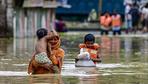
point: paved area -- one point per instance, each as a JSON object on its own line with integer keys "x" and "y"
{"x": 97, "y": 33}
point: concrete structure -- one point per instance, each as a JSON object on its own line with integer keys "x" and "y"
{"x": 22, "y": 18}
{"x": 6, "y": 17}
{"x": 2, "y": 18}
{"x": 34, "y": 14}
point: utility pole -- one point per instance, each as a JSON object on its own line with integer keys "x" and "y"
{"x": 100, "y": 8}
{"x": 6, "y": 25}
{"x": 100, "y": 11}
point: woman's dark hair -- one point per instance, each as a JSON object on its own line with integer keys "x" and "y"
{"x": 89, "y": 37}
{"x": 41, "y": 33}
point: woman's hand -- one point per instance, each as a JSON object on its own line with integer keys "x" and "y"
{"x": 49, "y": 48}
{"x": 53, "y": 59}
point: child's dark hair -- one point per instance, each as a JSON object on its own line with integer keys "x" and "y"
{"x": 41, "y": 33}
{"x": 89, "y": 37}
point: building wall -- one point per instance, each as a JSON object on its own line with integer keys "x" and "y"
{"x": 9, "y": 11}
{"x": 2, "y": 2}
{"x": 3, "y": 24}
{"x": 27, "y": 21}
{"x": 6, "y": 17}
{"x": 80, "y": 9}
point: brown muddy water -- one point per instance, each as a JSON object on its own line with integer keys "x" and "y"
{"x": 124, "y": 61}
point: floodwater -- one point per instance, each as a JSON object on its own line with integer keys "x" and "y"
{"x": 124, "y": 61}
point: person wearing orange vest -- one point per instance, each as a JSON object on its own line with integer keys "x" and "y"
{"x": 89, "y": 49}
{"x": 105, "y": 22}
{"x": 116, "y": 23}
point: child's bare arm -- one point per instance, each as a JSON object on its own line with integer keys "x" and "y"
{"x": 48, "y": 36}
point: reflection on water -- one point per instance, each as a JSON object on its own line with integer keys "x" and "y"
{"x": 46, "y": 79}
{"x": 144, "y": 47}
{"x": 128, "y": 47}
{"x": 105, "y": 46}
{"x": 124, "y": 61}
{"x": 110, "y": 48}
{"x": 89, "y": 80}
{"x": 23, "y": 46}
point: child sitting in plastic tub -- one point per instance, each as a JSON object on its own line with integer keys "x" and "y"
{"x": 89, "y": 50}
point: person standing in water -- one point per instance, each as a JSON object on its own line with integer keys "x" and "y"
{"x": 42, "y": 63}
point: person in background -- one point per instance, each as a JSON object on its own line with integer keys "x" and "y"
{"x": 105, "y": 22}
{"x": 60, "y": 26}
{"x": 116, "y": 23}
{"x": 128, "y": 18}
{"x": 144, "y": 18}
{"x": 89, "y": 49}
{"x": 135, "y": 17}
{"x": 92, "y": 16}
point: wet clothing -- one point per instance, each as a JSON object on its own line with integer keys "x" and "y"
{"x": 56, "y": 58}
{"x": 42, "y": 58}
{"x": 36, "y": 68}
{"x": 58, "y": 53}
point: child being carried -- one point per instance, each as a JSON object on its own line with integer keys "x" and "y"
{"x": 41, "y": 56}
